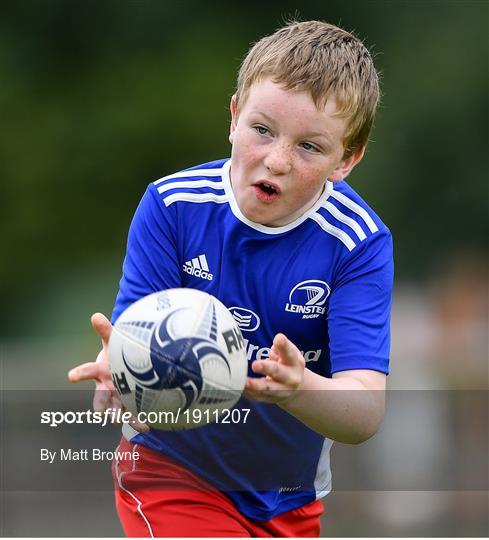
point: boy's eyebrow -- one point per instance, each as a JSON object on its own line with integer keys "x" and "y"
{"x": 265, "y": 115}
{"x": 309, "y": 134}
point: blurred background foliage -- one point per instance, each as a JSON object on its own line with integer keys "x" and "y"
{"x": 99, "y": 98}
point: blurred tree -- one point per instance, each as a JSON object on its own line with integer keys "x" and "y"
{"x": 98, "y": 99}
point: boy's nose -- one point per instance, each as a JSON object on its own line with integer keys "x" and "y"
{"x": 279, "y": 160}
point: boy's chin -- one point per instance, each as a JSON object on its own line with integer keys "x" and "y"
{"x": 255, "y": 216}
{"x": 266, "y": 219}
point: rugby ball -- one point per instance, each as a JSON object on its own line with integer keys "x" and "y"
{"x": 177, "y": 359}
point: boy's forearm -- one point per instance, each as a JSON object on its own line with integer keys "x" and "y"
{"x": 343, "y": 409}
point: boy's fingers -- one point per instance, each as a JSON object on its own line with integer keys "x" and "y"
{"x": 280, "y": 373}
{"x": 101, "y": 400}
{"x": 138, "y": 426}
{"x": 102, "y": 326}
{"x": 258, "y": 386}
{"x": 287, "y": 351}
{"x": 273, "y": 355}
{"x": 85, "y": 372}
{"x": 263, "y": 389}
{"x": 115, "y": 402}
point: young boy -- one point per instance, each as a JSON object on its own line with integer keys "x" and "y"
{"x": 306, "y": 268}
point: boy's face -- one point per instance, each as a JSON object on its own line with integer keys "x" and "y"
{"x": 284, "y": 149}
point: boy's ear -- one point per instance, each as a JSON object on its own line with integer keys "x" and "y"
{"x": 346, "y": 165}
{"x": 234, "y": 115}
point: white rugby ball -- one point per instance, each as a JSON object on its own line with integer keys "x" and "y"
{"x": 178, "y": 357}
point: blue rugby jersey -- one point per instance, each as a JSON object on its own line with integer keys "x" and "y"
{"x": 324, "y": 280}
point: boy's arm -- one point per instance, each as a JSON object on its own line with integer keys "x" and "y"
{"x": 350, "y": 406}
{"x": 347, "y": 408}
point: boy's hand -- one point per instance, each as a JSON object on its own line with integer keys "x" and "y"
{"x": 284, "y": 373}
{"x": 105, "y": 393}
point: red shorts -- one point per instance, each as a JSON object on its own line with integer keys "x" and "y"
{"x": 156, "y": 497}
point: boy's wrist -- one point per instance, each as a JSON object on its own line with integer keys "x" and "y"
{"x": 292, "y": 402}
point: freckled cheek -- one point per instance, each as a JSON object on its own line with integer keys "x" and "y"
{"x": 310, "y": 182}
{"x": 248, "y": 155}
{"x": 245, "y": 163}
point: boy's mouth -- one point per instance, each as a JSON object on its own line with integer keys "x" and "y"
{"x": 266, "y": 191}
{"x": 267, "y": 187}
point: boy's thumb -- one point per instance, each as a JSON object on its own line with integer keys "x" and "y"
{"x": 102, "y": 326}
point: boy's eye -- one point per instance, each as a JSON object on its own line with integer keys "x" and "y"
{"x": 261, "y": 130}
{"x": 309, "y": 147}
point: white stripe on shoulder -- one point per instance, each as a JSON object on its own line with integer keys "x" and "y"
{"x": 190, "y": 184}
{"x": 195, "y": 197}
{"x": 343, "y": 199}
{"x": 187, "y": 174}
{"x": 331, "y": 208}
{"x": 334, "y": 231}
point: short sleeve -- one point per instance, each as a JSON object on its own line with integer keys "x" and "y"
{"x": 151, "y": 261}
{"x": 359, "y": 308}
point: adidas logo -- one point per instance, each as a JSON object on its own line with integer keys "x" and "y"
{"x": 198, "y": 267}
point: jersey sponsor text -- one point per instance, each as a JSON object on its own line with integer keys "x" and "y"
{"x": 255, "y": 352}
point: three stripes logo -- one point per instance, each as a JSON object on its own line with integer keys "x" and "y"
{"x": 198, "y": 267}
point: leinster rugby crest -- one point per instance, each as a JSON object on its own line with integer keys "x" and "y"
{"x": 308, "y": 298}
